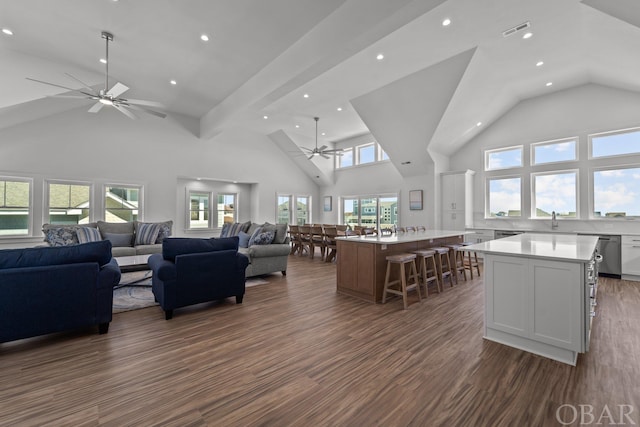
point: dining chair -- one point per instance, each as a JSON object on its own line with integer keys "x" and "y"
{"x": 330, "y": 234}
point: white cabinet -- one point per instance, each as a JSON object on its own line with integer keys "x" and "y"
{"x": 630, "y": 257}
{"x": 457, "y": 200}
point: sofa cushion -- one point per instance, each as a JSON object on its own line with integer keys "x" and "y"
{"x": 115, "y": 228}
{"x": 121, "y": 251}
{"x": 174, "y": 246}
{"x": 88, "y": 234}
{"x": 146, "y": 233}
{"x": 99, "y": 252}
{"x": 119, "y": 239}
{"x": 243, "y": 240}
{"x": 234, "y": 229}
{"x": 253, "y": 227}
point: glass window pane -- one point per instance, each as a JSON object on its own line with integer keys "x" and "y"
{"x": 302, "y": 211}
{"x": 616, "y": 193}
{"x": 503, "y": 158}
{"x": 383, "y": 154}
{"x": 366, "y": 153}
{"x": 388, "y": 211}
{"x": 504, "y": 197}
{"x": 121, "y": 204}
{"x": 15, "y": 194}
{"x": 350, "y": 212}
{"x": 198, "y": 210}
{"x": 550, "y": 152}
{"x": 226, "y": 209}
{"x": 615, "y": 144}
{"x": 555, "y": 192}
{"x": 15, "y": 209}
{"x": 347, "y": 158}
{"x": 284, "y": 209}
{"x": 69, "y": 203}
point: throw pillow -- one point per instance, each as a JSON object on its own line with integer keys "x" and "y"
{"x": 263, "y": 238}
{"x": 88, "y": 234}
{"x": 119, "y": 240}
{"x": 61, "y": 236}
{"x": 254, "y": 235}
{"x": 146, "y": 233}
{"x": 244, "y": 239}
{"x": 164, "y": 231}
{"x": 225, "y": 229}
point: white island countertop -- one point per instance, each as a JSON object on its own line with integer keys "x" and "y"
{"x": 416, "y": 236}
{"x": 555, "y": 246}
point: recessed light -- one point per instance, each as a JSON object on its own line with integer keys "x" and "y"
{"x": 539, "y": 63}
{"x": 7, "y": 31}
{"x": 527, "y": 35}
{"x": 297, "y": 126}
{"x": 380, "y": 57}
{"x": 204, "y": 38}
{"x": 306, "y": 95}
{"x": 104, "y": 61}
{"x": 479, "y": 124}
{"x": 323, "y": 133}
{"x": 339, "y": 108}
{"x": 446, "y": 22}
{"x": 265, "y": 117}
{"x": 173, "y": 82}
{"x": 549, "y": 83}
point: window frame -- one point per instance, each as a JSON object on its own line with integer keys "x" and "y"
{"x": 533, "y": 146}
{"x": 488, "y": 152}
{"x": 29, "y": 181}
{"x": 293, "y": 213}
{"x": 47, "y": 197}
{"x": 217, "y": 211}
{"x": 139, "y": 187}
{"x": 358, "y": 150}
{"x": 339, "y": 158}
{"x": 591, "y": 136}
{"x": 533, "y": 214}
{"x": 487, "y": 196}
{"x": 188, "y": 226}
{"x": 592, "y": 189}
{"x": 378, "y": 214}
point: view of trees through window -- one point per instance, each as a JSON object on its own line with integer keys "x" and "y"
{"x": 300, "y": 215}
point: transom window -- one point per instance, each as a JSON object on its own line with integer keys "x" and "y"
{"x": 370, "y": 152}
{"x": 562, "y": 150}
{"x": 504, "y": 196}
{"x": 555, "y": 192}
{"x": 503, "y": 158}
{"x": 15, "y": 206}
{"x": 346, "y": 159}
{"x": 616, "y": 193}
{"x": 366, "y": 153}
{"x": 69, "y": 203}
{"x": 122, "y": 203}
{"x": 616, "y": 143}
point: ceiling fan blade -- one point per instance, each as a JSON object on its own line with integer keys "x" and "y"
{"x": 147, "y": 110}
{"x": 96, "y": 107}
{"x": 63, "y": 87}
{"x": 322, "y": 148}
{"x": 324, "y": 155}
{"x": 117, "y": 90}
{"x": 81, "y": 82}
{"x": 308, "y": 149}
{"x": 69, "y": 96}
{"x": 124, "y": 111}
{"x": 310, "y": 157}
{"x": 143, "y": 102}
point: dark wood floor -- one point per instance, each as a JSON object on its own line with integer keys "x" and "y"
{"x": 296, "y": 353}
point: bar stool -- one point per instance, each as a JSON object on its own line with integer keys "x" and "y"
{"x": 469, "y": 262}
{"x": 443, "y": 264}
{"x": 401, "y": 260}
{"x": 428, "y": 274}
{"x": 457, "y": 261}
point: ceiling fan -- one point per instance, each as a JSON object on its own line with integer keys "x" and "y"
{"x": 322, "y": 151}
{"x": 109, "y": 97}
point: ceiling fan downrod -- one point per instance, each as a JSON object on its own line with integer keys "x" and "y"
{"x": 108, "y": 37}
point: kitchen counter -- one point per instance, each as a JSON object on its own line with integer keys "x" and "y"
{"x": 417, "y": 236}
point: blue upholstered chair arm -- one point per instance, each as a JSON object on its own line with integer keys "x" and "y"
{"x": 162, "y": 269}
{"x": 109, "y": 275}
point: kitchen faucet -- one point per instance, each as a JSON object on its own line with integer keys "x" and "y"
{"x": 554, "y": 221}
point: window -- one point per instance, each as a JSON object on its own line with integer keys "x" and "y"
{"x": 376, "y": 211}
{"x": 226, "y": 209}
{"x": 504, "y": 197}
{"x": 366, "y": 153}
{"x": 382, "y": 155}
{"x": 302, "y": 210}
{"x": 616, "y": 193}
{"x": 122, "y": 203}
{"x": 555, "y": 192}
{"x": 503, "y": 158}
{"x": 562, "y": 150}
{"x": 285, "y": 215}
{"x": 69, "y": 203}
{"x": 616, "y": 143}
{"x": 199, "y": 210}
{"x": 346, "y": 159}
{"x": 15, "y": 206}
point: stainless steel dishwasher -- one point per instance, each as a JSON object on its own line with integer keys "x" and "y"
{"x": 609, "y": 247}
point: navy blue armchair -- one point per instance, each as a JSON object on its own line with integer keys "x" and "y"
{"x": 53, "y": 289}
{"x": 192, "y": 271}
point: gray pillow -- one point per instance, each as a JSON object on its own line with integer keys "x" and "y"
{"x": 115, "y": 228}
{"x": 119, "y": 240}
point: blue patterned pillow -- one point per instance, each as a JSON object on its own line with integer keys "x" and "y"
{"x": 88, "y": 234}
{"x": 164, "y": 231}
{"x": 264, "y": 238}
{"x": 146, "y": 233}
{"x": 62, "y": 236}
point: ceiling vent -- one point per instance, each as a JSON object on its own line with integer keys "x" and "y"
{"x": 515, "y": 29}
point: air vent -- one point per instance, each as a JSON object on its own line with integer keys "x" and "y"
{"x": 515, "y": 29}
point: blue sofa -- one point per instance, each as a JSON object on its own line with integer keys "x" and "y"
{"x": 52, "y": 289}
{"x": 192, "y": 271}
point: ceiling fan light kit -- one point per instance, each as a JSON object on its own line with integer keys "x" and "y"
{"x": 109, "y": 97}
{"x": 322, "y": 151}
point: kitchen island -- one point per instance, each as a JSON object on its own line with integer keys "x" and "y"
{"x": 361, "y": 260}
{"x": 540, "y": 292}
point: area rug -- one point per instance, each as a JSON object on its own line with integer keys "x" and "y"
{"x": 138, "y": 293}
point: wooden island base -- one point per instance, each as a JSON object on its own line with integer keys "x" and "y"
{"x": 362, "y": 264}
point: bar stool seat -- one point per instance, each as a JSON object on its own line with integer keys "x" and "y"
{"x": 427, "y": 274}
{"x": 443, "y": 264}
{"x": 457, "y": 261}
{"x": 402, "y": 287}
{"x": 471, "y": 260}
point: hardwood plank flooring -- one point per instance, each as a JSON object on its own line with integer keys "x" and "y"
{"x": 296, "y": 353}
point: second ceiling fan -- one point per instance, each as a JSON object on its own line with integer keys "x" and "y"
{"x": 322, "y": 151}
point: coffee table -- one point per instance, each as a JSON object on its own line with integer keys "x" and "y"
{"x": 133, "y": 263}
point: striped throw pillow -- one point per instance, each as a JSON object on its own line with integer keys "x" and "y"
{"x": 147, "y": 233}
{"x": 88, "y": 234}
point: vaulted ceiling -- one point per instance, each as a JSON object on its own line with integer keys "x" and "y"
{"x": 434, "y": 86}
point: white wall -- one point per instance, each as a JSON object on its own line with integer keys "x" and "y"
{"x": 110, "y": 148}
{"x": 573, "y": 112}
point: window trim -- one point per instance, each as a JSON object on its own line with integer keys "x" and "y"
{"x": 217, "y": 211}
{"x": 187, "y": 225}
{"x": 358, "y": 149}
{"x": 591, "y": 195}
{"x": 554, "y": 172}
{"x": 46, "y": 206}
{"x": 140, "y": 189}
{"x": 553, "y": 142}
{"x": 370, "y": 196}
{"x": 353, "y": 158}
{"x": 293, "y": 201}
{"x": 30, "y": 214}
{"x": 612, "y": 132}
{"x": 497, "y": 150}
{"x": 487, "y": 199}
